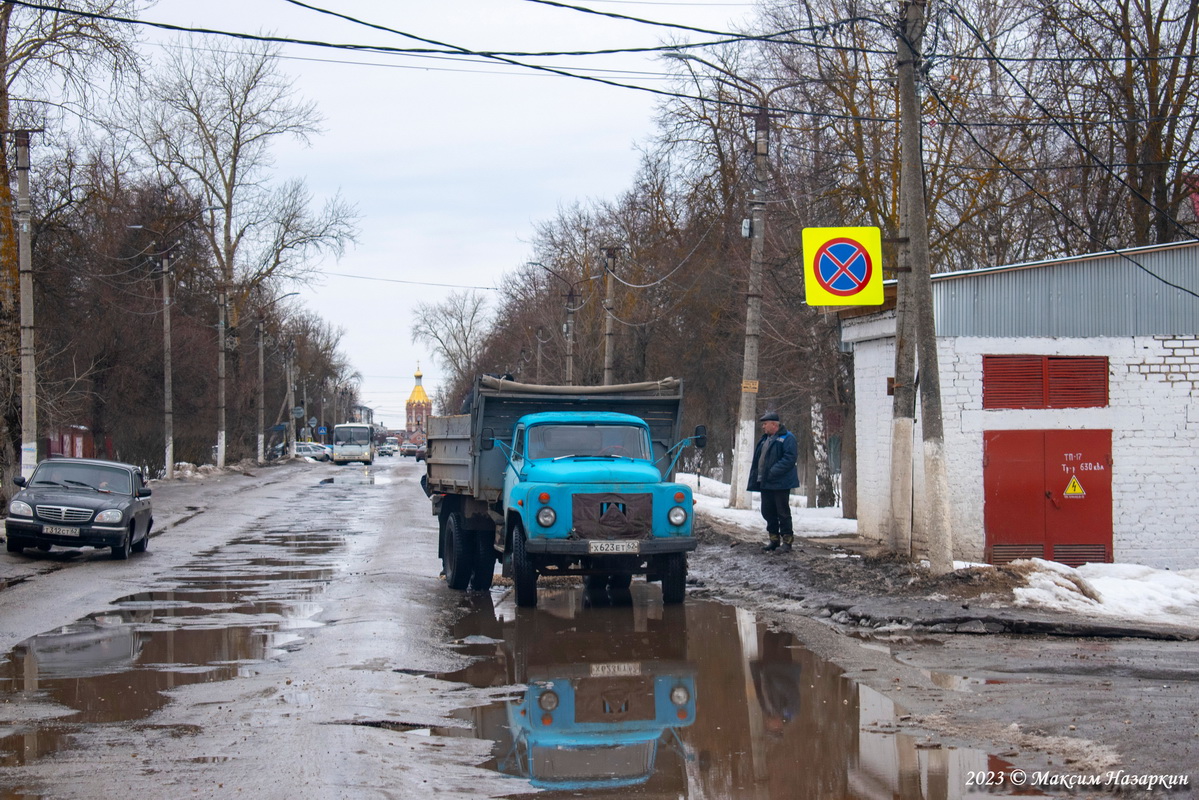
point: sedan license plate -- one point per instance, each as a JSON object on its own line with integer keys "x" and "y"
{"x": 59, "y": 530}
{"x": 596, "y": 548}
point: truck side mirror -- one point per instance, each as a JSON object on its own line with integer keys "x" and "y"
{"x": 487, "y": 439}
{"x": 700, "y": 439}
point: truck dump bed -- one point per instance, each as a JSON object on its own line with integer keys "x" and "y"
{"x": 457, "y": 466}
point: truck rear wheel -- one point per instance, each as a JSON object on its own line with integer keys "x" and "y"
{"x": 459, "y": 552}
{"x": 674, "y": 578}
{"x": 524, "y": 574}
{"x": 484, "y": 565}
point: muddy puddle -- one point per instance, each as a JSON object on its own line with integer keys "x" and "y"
{"x": 230, "y": 609}
{"x": 637, "y": 699}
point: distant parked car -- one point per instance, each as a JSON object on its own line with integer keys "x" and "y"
{"x": 421, "y": 452}
{"x": 81, "y": 502}
{"x": 313, "y": 450}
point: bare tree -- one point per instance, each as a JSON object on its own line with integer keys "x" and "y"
{"x": 457, "y": 331}
{"x": 48, "y": 59}
{"x": 209, "y": 120}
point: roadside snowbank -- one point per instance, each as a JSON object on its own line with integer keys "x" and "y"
{"x": 1119, "y": 591}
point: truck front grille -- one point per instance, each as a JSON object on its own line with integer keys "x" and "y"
{"x": 64, "y": 514}
{"x": 609, "y": 515}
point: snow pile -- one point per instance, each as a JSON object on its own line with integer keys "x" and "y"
{"x": 1118, "y": 591}
{"x": 1125, "y": 591}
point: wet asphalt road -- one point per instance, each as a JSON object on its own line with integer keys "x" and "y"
{"x": 287, "y": 636}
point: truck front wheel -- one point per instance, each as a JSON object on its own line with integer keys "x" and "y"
{"x": 524, "y": 574}
{"x": 458, "y": 552}
{"x": 674, "y": 577}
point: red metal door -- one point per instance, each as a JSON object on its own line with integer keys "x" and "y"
{"x": 1048, "y": 494}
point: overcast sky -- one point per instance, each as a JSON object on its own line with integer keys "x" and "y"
{"x": 451, "y": 162}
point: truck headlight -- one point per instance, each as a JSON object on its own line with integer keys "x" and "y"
{"x": 19, "y": 508}
{"x": 677, "y": 515}
{"x": 111, "y": 515}
{"x": 548, "y": 701}
{"x": 546, "y": 517}
{"x": 679, "y": 695}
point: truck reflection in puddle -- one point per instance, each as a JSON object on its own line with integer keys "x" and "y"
{"x": 602, "y": 704}
{"x": 701, "y": 700}
{"x": 597, "y": 725}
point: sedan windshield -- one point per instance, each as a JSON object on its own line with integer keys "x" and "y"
{"x": 82, "y": 476}
{"x": 557, "y": 441}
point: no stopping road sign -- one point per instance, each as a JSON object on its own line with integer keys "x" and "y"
{"x": 843, "y": 266}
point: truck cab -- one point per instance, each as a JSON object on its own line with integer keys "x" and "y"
{"x": 582, "y": 490}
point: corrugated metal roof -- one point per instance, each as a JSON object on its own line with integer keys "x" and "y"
{"x": 1105, "y": 294}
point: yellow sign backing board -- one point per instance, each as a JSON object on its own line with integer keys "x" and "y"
{"x": 843, "y": 266}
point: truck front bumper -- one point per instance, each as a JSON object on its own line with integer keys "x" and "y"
{"x": 582, "y": 547}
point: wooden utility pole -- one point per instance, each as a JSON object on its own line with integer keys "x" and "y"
{"x": 609, "y": 318}
{"x": 920, "y": 294}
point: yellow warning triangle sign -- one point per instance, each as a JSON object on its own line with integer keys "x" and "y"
{"x": 1074, "y": 489}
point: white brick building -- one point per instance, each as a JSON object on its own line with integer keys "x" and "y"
{"x": 1081, "y": 440}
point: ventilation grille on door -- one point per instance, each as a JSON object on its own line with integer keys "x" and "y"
{"x": 1006, "y": 553}
{"x": 1075, "y": 555}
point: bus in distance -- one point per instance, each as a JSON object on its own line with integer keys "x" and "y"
{"x": 353, "y": 441}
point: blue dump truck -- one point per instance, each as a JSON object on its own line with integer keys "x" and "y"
{"x": 562, "y": 480}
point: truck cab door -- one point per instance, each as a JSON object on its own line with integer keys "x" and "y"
{"x": 514, "y": 469}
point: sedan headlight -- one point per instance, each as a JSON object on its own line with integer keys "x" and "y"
{"x": 677, "y": 515}
{"x": 546, "y": 517}
{"x": 111, "y": 515}
{"x": 19, "y": 508}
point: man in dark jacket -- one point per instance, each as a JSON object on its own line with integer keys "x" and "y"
{"x": 773, "y": 473}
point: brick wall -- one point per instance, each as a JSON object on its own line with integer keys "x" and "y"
{"x": 1153, "y": 414}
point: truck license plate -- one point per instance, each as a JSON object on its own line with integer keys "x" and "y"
{"x": 631, "y": 669}
{"x": 613, "y": 547}
{"x": 58, "y": 530}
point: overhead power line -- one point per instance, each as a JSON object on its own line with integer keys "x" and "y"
{"x": 411, "y": 283}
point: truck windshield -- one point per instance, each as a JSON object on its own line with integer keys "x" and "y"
{"x": 556, "y": 441}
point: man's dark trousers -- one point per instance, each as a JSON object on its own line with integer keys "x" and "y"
{"x": 776, "y": 510}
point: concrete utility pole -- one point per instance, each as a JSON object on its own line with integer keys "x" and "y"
{"x": 747, "y": 411}
{"x": 920, "y": 300}
{"x": 28, "y": 352}
{"x": 261, "y": 390}
{"x": 222, "y": 312}
{"x": 291, "y": 400}
{"x": 609, "y": 318}
{"x": 168, "y": 405}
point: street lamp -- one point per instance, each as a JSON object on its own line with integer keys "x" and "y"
{"x": 746, "y": 423}
{"x": 571, "y": 308}
{"x": 168, "y": 406}
{"x": 262, "y": 380}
